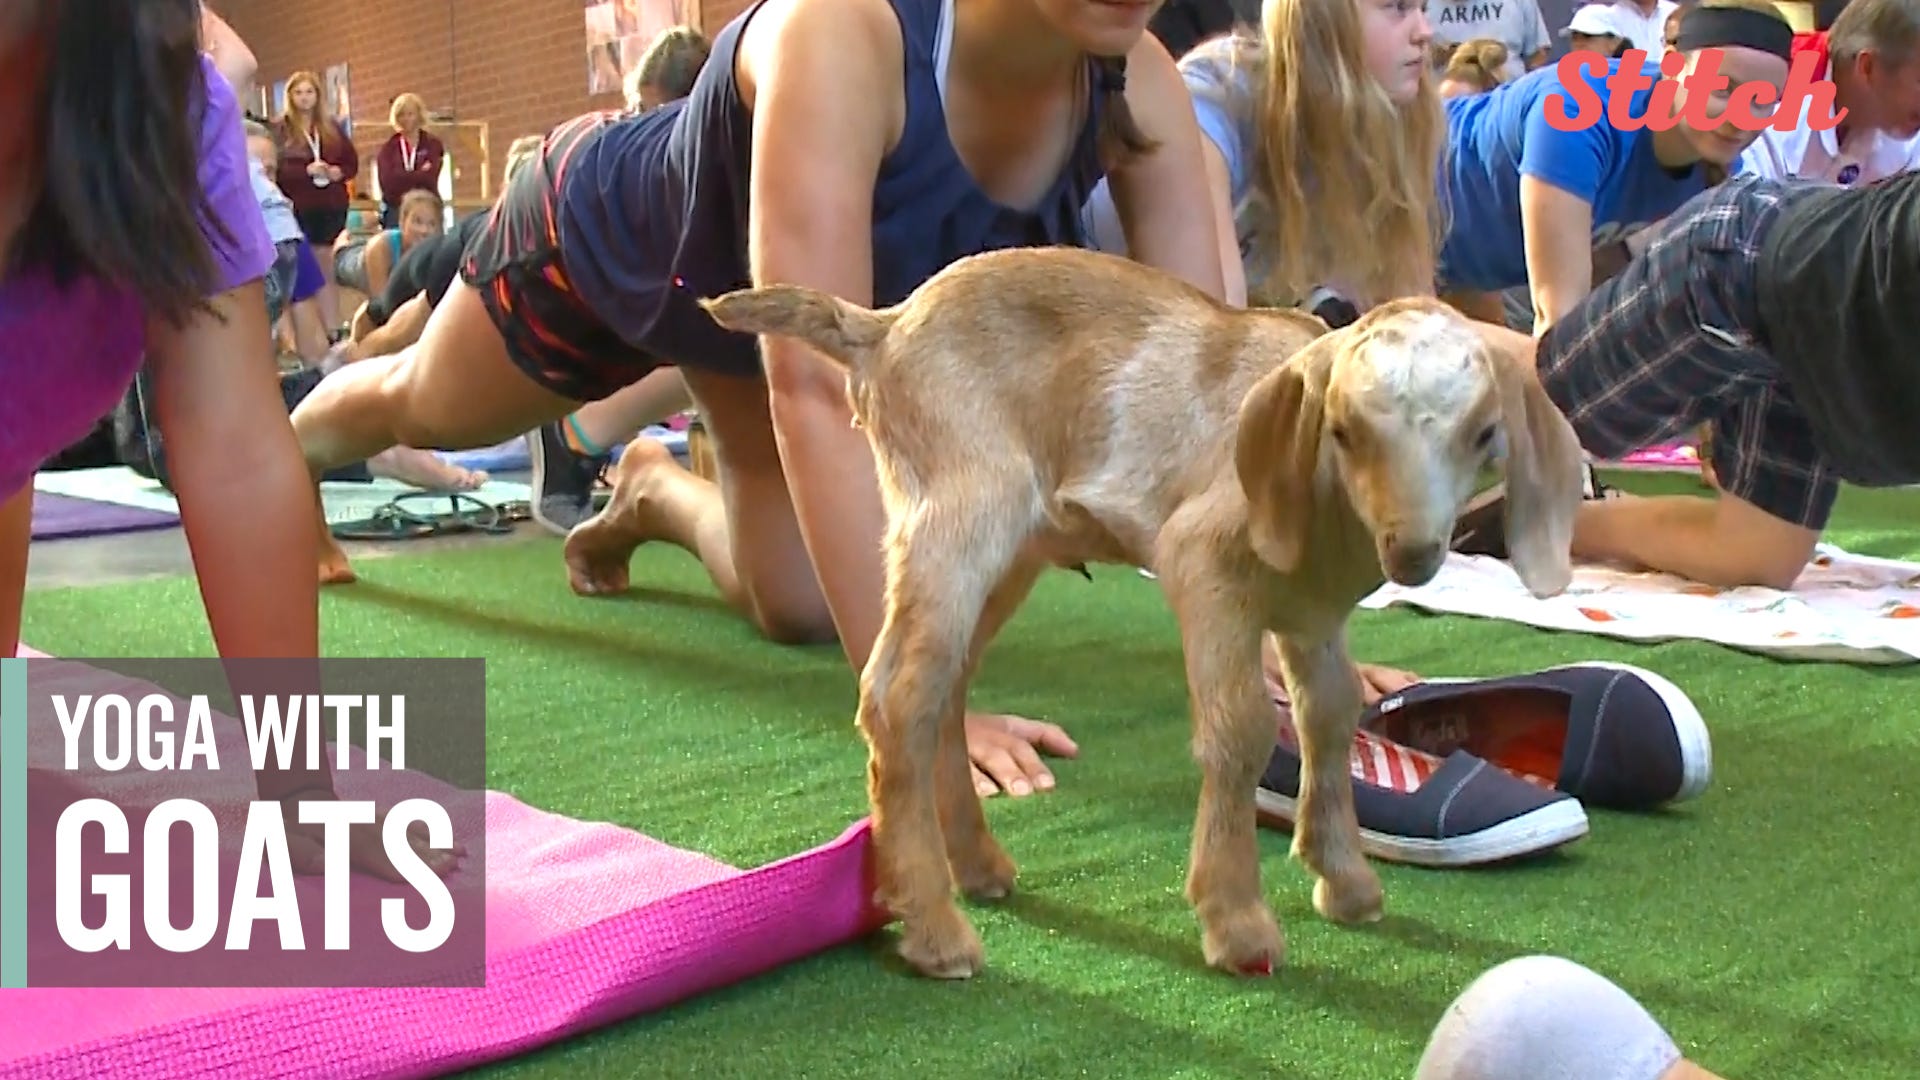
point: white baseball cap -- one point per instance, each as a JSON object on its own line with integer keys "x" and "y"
{"x": 1596, "y": 20}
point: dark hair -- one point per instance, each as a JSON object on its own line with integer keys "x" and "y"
{"x": 1120, "y": 135}
{"x": 120, "y": 114}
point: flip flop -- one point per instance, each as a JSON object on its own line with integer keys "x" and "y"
{"x": 398, "y": 520}
{"x": 386, "y": 523}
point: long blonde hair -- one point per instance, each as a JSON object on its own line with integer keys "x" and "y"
{"x": 295, "y": 123}
{"x": 1349, "y": 180}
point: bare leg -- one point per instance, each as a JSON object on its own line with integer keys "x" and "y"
{"x": 454, "y": 389}
{"x": 770, "y": 579}
{"x": 424, "y": 469}
{"x": 16, "y": 533}
{"x": 309, "y": 332}
{"x": 327, "y": 300}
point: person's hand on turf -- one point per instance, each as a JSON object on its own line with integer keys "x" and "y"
{"x": 1377, "y": 682}
{"x": 366, "y": 851}
{"x": 1005, "y": 751}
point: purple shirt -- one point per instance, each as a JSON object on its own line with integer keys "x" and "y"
{"x": 68, "y": 356}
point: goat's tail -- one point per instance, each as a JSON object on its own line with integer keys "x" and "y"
{"x": 844, "y": 331}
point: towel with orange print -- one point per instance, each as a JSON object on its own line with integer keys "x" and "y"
{"x": 1845, "y": 608}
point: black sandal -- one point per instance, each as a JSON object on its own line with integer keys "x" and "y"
{"x": 398, "y": 521}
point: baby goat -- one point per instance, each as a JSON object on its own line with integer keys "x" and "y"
{"x": 1056, "y": 407}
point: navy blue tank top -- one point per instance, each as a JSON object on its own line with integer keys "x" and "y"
{"x": 653, "y": 210}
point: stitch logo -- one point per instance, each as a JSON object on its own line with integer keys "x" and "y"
{"x": 1752, "y": 106}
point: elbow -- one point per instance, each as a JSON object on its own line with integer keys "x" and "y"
{"x": 802, "y": 382}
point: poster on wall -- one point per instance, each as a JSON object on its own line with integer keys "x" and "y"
{"x": 339, "y": 101}
{"x": 618, "y": 34}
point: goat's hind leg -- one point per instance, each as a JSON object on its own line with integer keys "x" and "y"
{"x": 1233, "y": 737}
{"x": 939, "y": 574}
{"x": 1325, "y": 690}
{"x": 979, "y": 863}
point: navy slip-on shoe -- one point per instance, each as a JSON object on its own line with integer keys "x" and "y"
{"x": 1611, "y": 735}
{"x": 1422, "y": 810}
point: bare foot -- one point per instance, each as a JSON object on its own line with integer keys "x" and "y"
{"x": 424, "y": 469}
{"x": 334, "y": 567}
{"x": 600, "y": 548}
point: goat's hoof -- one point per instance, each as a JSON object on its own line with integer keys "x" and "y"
{"x": 944, "y": 945}
{"x": 1247, "y": 942}
{"x": 1350, "y": 899}
{"x": 986, "y": 873}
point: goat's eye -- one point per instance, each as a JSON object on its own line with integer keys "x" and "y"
{"x": 1485, "y": 439}
{"x": 1340, "y": 436}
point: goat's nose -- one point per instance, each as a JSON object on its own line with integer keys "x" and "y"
{"x": 1411, "y": 562}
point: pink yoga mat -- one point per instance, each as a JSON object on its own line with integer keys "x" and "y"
{"x": 1674, "y": 456}
{"x": 586, "y": 924}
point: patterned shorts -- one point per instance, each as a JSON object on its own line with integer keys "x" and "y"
{"x": 514, "y": 263}
{"x": 1675, "y": 340}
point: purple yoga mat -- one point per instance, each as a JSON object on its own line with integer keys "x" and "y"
{"x": 63, "y": 517}
{"x": 587, "y": 924}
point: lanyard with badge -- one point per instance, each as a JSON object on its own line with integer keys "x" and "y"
{"x": 313, "y": 143}
{"x": 409, "y": 154}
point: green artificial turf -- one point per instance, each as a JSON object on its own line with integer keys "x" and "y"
{"x": 1767, "y": 924}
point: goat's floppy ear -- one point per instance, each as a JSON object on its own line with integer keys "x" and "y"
{"x": 1543, "y": 473}
{"x": 1276, "y": 452}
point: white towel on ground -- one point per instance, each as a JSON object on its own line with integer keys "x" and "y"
{"x": 1847, "y": 608}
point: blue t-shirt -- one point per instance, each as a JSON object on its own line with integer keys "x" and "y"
{"x": 1497, "y": 137}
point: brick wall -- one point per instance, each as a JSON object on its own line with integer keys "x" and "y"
{"x": 519, "y": 66}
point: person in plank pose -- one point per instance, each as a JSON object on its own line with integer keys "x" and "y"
{"x": 1779, "y": 313}
{"x": 856, "y": 146}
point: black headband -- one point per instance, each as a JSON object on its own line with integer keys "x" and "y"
{"x": 1720, "y": 27}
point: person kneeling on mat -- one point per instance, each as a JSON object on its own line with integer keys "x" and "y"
{"x": 1781, "y": 314}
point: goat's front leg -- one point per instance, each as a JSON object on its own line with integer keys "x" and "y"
{"x": 1233, "y": 734}
{"x": 1325, "y": 691}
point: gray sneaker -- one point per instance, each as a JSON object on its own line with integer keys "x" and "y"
{"x": 563, "y": 480}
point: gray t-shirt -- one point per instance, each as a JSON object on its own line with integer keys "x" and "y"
{"x": 1221, "y": 75}
{"x": 1517, "y": 24}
